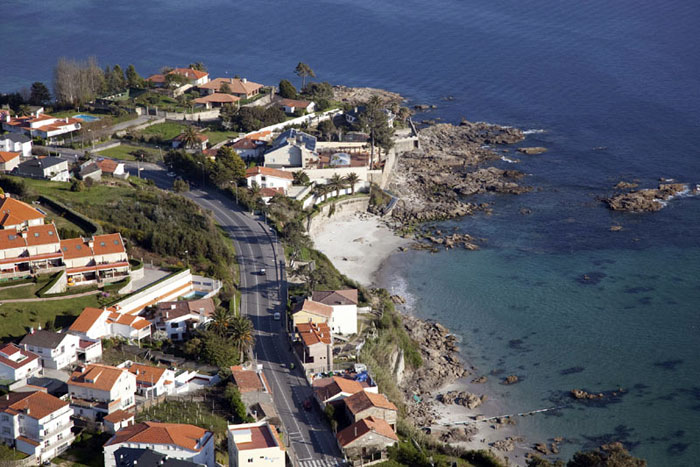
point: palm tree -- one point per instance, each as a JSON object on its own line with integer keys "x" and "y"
{"x": 190, "y": 137}
{"x": 221, "y": 321}
{"x": 351, "y": 179}
{"x": 321, "y": 191}
{"x": 300, "y": 177}
{"x": 241, "y": 333}
{"x": 336, "y": 183}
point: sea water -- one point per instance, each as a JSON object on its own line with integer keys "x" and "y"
{"x": 612, "y": 89}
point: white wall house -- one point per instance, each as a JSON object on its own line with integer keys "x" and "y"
{"x": 54, "y": 169}
{"x": 17, "y": 364}
{"x": 177, "y": 441}
{"x": 344, "y": 303}
{"x": 36, "y": 423}
{"x": 255, "y": 445}
{"x": 96, "y": 323}
{"x": 151, "y": 381}
{"x": 98, "y": 390}
{"x": 292, "y": 148}
{"x": 292, "y": 105}
{"x": 41, "y": 125}
{"x": 56, "y": 350}
{"x": 179, "y": 318}
{"x": 9, "y": 160}
{"x": 15, "y": 142}
{"x": 266, "y": 177}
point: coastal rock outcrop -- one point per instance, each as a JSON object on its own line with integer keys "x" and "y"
{"x": 361, "y": 95}
{"x": 511, "y": 379}
{"x": 467, "y": 399}
{"x": 533, "y": 150}
{"x": 432, "y": 181}
{"x": 648, "y": 199}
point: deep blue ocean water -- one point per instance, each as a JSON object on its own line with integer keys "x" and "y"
{"x": 624, "y": 76}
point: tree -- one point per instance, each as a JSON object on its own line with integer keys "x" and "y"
{"x": 351, "y": 179}
{"x": 221, "y": 321}
{"x": 287, "y": 90}
{"x": 77, "y": 185}
{"x": 229, "y": 167}
{"x": 300, "y": 178}
{"x": 199, "y": 66}
{"x": 225, "y": 88}
{"x": 242, "y": 335}
{"x": 327, "y": 129}
{"x": 39, "y": 94}
{"x": 374, "y": 120}
{"x": 304, "y": 71}
{"x": 321, "y": 191}
{"x": 180, "y": 186}
{"x": 189, "y": 138}
{"x": 133, "y": 79}
{"x": 336, "y": 183}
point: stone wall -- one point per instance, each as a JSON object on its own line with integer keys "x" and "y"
{"x": 343, "y": 208}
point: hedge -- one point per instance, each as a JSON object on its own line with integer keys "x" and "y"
{"x": 116, "y": 286}
{"x": 49, "y": 284}
{"x": 75, "y": 217}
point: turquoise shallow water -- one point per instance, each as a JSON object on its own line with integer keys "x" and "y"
{"x": 621, "y": 75}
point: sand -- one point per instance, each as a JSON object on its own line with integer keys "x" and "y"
{"x": 357, "y": 245}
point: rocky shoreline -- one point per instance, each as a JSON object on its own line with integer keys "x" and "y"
{"x": 432, "y": 181}
{"x": 648, "y": 199}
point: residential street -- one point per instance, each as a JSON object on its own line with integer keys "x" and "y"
{"x": 312, "y": 441}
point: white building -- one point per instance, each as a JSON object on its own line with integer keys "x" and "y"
{"x": 265, "y": 177}
{"x": 178, "y": 319}
{"x": 292, "y": 148}
{"x": 9, "y": 160}
{"x": 54, "y": 169}
{"x": 96, "y": 323}
{"x": 177, "y": 441}
{"x": 101, "y": 258}
{"x": 41, "y": 125}
{"x": 292, "y": 105}
{"x": 17, "y": 364}
{"x": 15, "y": 142}
{"x": 36, "y": 423}
{"x": 255, "y": 445}
{"x": 151, "y": 381}
{"x": 98, "y": 390}
{"x": 56, "y": 350}
{"x": 344, "y": 304}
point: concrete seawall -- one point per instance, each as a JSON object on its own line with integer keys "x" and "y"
{"x": 343, "y": 208}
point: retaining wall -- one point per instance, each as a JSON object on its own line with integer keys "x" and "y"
{"x": 343, "y": 208}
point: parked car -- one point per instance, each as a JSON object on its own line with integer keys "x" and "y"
{"x": 308, "y": 405}
{"x": 276, "y": 316}
{"x": 262, "y": 271}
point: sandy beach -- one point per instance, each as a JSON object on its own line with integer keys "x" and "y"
{"x": 358, "y": 244}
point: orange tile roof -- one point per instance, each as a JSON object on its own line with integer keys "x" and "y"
{"x": 119, "y": 416}
{"x": 359, "y": 429}
{"x": 270, "y": 192}
{"x": 247, "y": 380}
{"x": 237, "y": 85}
{"x": 157, "y": 78}
{"x": 312, "y": 333}
{"x": 97, "y": 376}
{"x": 217, "y": 98}
{"x": 326, "y": 388}
{"x": 36, "y": 405}
{"x": 108, "y": 244}
{"x": 11, "y": 349}
{"x": 258, "y": 170}
{"x": 244, "y": 143}
{"x": 107, "y": 166}
{"x": 42, "y": 235}
{"x": 147, "y": 375}
{"x": 363, "y": 400}
{"x": 189, "y": 437}
{"x": 75, "y": 248}
{"x": 13, "y": 212}
{"x": 101, "y": 245}
{"x": 189, "y": 73}
{"x": 86, "y": 320}
{"x": 294, "y": 103}
{"x": 316, "y": 308}
{"x": 11, "y": 239}
{"x": 6, "y": 156}
{"x": 335, "y": 297}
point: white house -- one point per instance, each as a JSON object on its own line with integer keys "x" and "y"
{"x": 266, "y": 177}
{"x": 101, "y": 258}
{"x": 194, "y": 77}
{"x": 241, "y": 88}
{"x": 177, "y": 441}
{"x": 45, "y": 168}
{"x": 98, "y": 390}
{"x": 151, "y": 381}
{"x": 292, "y": 148}
{"x": 17, "y": 364}
{"x": 292, "y": 105}
{"x": 344, "y": 304}
{"x": 41, "y": 125}
{"x": 181, "y": 317}
{"x": 36, "y": 423}
{"x": 255, "y": 445}
{"x": 16, "y": 142}
{"x": 113, "y": 168}
{"x": 56, "y": 350}
{"x": 248, "y": 148}
{"x": 9, "y": 160}
{"x": 96, "y": 323}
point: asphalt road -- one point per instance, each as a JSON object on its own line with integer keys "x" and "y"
{"x": 305, "y": 432}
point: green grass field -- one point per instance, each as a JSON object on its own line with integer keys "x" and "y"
{"x": 123, "y": 152}
{"x": 167, "y": 130}
{"x": 25, "y": 290}
{"x": 215, "y": 137}
{"x": 60, "y": 221}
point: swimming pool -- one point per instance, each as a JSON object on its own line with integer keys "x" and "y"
{"x": 86, "y": 118}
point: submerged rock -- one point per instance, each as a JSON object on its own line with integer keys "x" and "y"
{"x": 646, "y": 200}
{"x": 511, "y": 379}
{"x": 533, "y": 150}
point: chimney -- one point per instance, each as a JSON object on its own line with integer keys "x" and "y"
{"x": 91, "y": 243}
{"x": 172, "y": 306}
{"x": 31, "y": 330}
{"x": 7, "y": 396}
{"x": 38, "y": 328}
{"x": 244, "y": 80}
{"x": 167, "y": 315}
{"x": 24, "y": 234}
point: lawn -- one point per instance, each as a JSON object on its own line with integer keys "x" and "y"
{"x": 17, "y": 318}
{"x": 25, "y": 290}
{"x": 123, "y": 152}
{"x": 60, "y": 221}
{"x": 167, "y": 130}
{"x": 215, "y": 137}
{"x": 9, "y": 454}
{"x": 85, "y": 452}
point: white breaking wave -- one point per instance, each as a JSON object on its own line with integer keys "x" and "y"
{"x": 534, "y": 131}
{"x": 510, "y": 161}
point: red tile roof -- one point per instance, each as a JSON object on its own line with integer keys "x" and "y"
{"x": 36, "y": 405}
{"x": 13, "y": 212}
{"x": 217, "y": 98}
{"x": 42, "y": 235}
{"x": 363, "y": 400}
{"x": 107, "y": 166}
{"x": 327, "y": 388}
{"x": 237, "y": 86}
{"x": 367, "y": 425}
{"x": 267, "y": 171}
{"x": 101, "y": 245}
{"x": 9, "y": 350}
{"x": 244, "y": 143}
{"x": 188, "y": 437}
{"x": 6, "y": 156}
{"x": 86, "y": 320}
{"x": 261, "y": 437}
{"x": 157, "y": 78}
{"x": 270, "y": 192}
{"x": 294, "y": 103}
{"x": 97, "y": 376}
{"x": 147, "y": 375}
{"x": 248, "y": 380}
{"x": 189, "y": 73}
{"x": 119, "y": 416}
{"x": 335, "y": 297}
{"x": 315, "y": 308}
{"x": 313, "y": 334}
